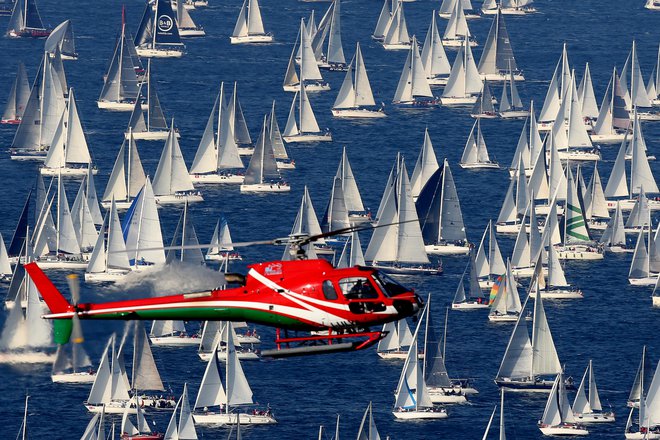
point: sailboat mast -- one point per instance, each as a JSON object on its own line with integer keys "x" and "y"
{"x": 25, "y": 413}
{"x": 137, "y": 243}
{"x": 149, "y": 90}
{"x": 128, "y": 173}
{"x": 121, "y": 51}
{"x": 444, "y": 334}
{"x": 426, "y": 335}
{"x": 442, "y": 199}
{"x": 59, "y": 211}
{"x": 154, "y": 24}
{"x": 183, "y": 228}
{"x": 502, "y": 429}
{"x": 135, "y": 357}
{"x": 42, "y": 86}
{"x": 110, "y": 217}
{"x": 25, "y": 14}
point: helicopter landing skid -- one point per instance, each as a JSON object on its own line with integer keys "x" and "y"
{"x": 321, "y": 343}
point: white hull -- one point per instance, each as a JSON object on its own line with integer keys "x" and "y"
{"x": 419, "y": 415}
{"x": 312, "y": 87}
{"x": 514, "y": 114}
{"x": 245, "y": 151}
{"x": 642, "y": 436}
{"x": 595, "y": 418}
{"x": 46, "y": 264}
{"x": 502, "y": 76}
{"x": 647, "y": 116}
{"x": 114, "y": 407}
{"x": 627, "y": 205}
{"x": 286, "y": 165}
{"x": 447, "y": 249}
{"x": 191, "y": 33}
{"x": 266, "y": 187}
{"x": 468, "y": 15}
{"x": 174, "y": 341}
{"x": 118, "y": 106}
{"x": 450, "y": 396}
{"x": 438, "y": 80}
{"x": 503, "y": 318}
{"x": 66, "y": 172}
{"x": 22, "y": 155}
{"x": 222, "y": 256}
{"x": 121, "y": 205}
{"x": 81, "y": 377}
{"x": 578, "y": 253}
{"x": 252, "y": 39}
{"x": 558, "y": 294}
{"x": 457, "y": 43}
{"x": 308, "y": 137}
{"x": 564, "y": 430}
{"x": 655, "y": 301}
{"x": 647, "y": 281}
{"x": 545, "y": 125}
{"x": 577, "y": 155}
{"x": 458, "y": 100}
{"x": 216, "y": 178}
{"x": 396, "y": 46}
{"x": 105, "y": 277}
{"x": 615, "y": 138}
{"x": 619, "y": 249}
{"x": 399, "y": 355}
{"x": 171, "y": 199}
{"x": 230, "y": 419}
{"x": 150, "y": 135}
{"x": 486, "y": 284}
{"x": 510, "y": 11}
{"x": 507, "y": 228}
{"x": 222, "y": 356}
{"x": 469, "y": 305}
{"x": 361, "y": 113}
{"x": 479, "y": 166}
{"x": 159, "y": 53}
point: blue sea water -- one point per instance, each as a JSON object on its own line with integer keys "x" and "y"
{"x": 609, "y": 326}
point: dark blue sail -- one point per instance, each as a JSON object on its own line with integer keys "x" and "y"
{"x": 144, "y": 34}
{"x": 20, "y": 232}
{"x": 32, "y": 17}
{"x": 167, "y": 31}
{"x": 428, "y": 207}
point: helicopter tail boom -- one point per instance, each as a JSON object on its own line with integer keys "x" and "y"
{"x": 53, "y": 297}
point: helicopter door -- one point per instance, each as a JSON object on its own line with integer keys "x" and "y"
{"x": 361, "y": 295}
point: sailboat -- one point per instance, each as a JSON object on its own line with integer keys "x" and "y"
{"x": 184, "y": 247}
{"x": 525, "y": 362}
{"x": 653, "y": 5}
{"x": 25, "y": 21}
{"x": 249, "y": 26}
{"x": 235, "y": 393}
{"x": 43, "y": 111}
{"x": 558, "y": 417}
{"x": 171, "y": 333}
{"x": 497, "y": 62}
{"x": 62, "y": 38}
{"x": 448, "y": 6}
{"x": 351, "y": 253}
{"x": 648, "y": 426}
{"x": 511, "y": 108}
{"x": 127, "y": 177}
{"x": 395, "y": 35}
{"x": 154, "y": 126}
{"x": 502, "y": 427}
{"x": 302, "y": 127}
{"x": 398, "y": 247}
{"x": 18, "y": 97}
{"x": 396, "y": 342}
{"x": 489, "y": 263}
{"x": 637, "y": 98}
{"x": 109, "y": 260}
{"x": 464, "y": 83}
{"x": 140, "y": 432}
{"x": 5, "y": 265}
{"x": 614, "y": 236}
{"x": 613, "y": 122}
{"x": 473, "y": 299}
{"x": 96, "y": 428}
{"x": 577, "y": 241}
{"x": 440, "y": 215}
{"x": 215, "y": 334}
{"x": 310, "y": 75}
{"x": 413, "y": 89}
{"x": 284, "y": 162}
{"x": 307, "y": 223}
{"x": 641, "y": 383}
{"x": 368, "y": 429}
{"x": 504, "y": 298}
{"x": 386, "y": 12}
{"x": 556, "y": 286}
{"x": 185, "y": 428}
{"x": 475, "y": 154}
{"x": 109, "y": 393}
{"x": 645, "y": 264}
{"x": 425, "y": 167}
{"x": 68, "y": 154}
{"x": 141, "y": 230}
{"x": 120, "y": 87}
{"x": 434, "y": 58}
{"x": 587, "y": 407}
{"x": 355, "y": 99}
{"x": 411, "y": 399}
{"x": 172, "y": 183}
{"x": 187, "y": 26}
{"x": 332, "y": 58}
{"x": 351, "y": 194}
{"x": 262, "y": 174}
{"x": 457, "y": 33}
{"x": 484, "y": 107}
{"x": 221, "y": 248}
{"x": 158, "y": 34}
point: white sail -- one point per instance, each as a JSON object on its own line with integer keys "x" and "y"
{"x": 309, "y": 69}
{"x": 518, "y": 357}
{"x": 172, "y": 174}
{"x": 640, "y": 171}
{"x": 412, "y": 392}
{"x": 206, "y": 157}
{"x": 433, "y": 55}
{"x": 211, "y": 391}
{"x": 425, "y": 167}
{"x": 413, "y": 82}
{"x": 356, "y": 89}
{"x": 142, "y": 229}
{"x": 238, "y": 389}
{"x": 497, "y": 55}
{"x": 102, "y": 386}
{"x": 617, "y": 185}
{"x": 587, "y": 97}
{"x": 545, "y": 359}
{"x": 352, "y": 197}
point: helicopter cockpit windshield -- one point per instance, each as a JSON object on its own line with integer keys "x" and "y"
{"x": 388, "y": 285}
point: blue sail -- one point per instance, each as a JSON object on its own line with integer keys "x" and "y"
{"x": 20, "y": 232}
{"x": 32, "y": 17}
{"x": 167, "y": 31}
{"x": 428, "y": 207}
{"x": 129, "y": 214}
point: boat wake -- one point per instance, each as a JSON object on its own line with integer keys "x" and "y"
{"x": 170, "y": 279}
{"x": 26, "y": 357}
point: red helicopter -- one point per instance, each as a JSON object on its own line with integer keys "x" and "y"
{"x": 338, "y": 306}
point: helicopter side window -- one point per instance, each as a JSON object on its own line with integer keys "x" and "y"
{"x": 389, "y": 286}
{"x": 329, "y": 290}
{"x": 357, "y": 287}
